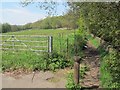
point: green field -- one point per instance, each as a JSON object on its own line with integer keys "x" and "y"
{"x": 63, "y": 49}
{"x": 41, "y": 32}
{"x": 15, "y": 59}
{"x": 59, "y": 38}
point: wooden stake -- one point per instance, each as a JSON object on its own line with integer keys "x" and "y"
{"x": 76, "y": 69}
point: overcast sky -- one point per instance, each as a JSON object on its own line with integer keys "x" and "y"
{"x": 14, "y": 14}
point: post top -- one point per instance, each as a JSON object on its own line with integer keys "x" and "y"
{"x": 77, "y": 58}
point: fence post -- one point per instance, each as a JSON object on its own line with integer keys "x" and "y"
{"x": 67, "y": 46}
{"x": 13, "y": 42}
{"x": 50, "y": 44}
{"x": 60, "y": 42}
{"x": 76, "y": 69}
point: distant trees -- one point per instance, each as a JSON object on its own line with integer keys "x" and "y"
{"x": 9, "y": 28}
{"x": 26, "y": 26}
{"x": 14, "y": 28}
{"x": 6, "y": 28}
{"x": 67, "y": 21}
{"x": 55, "y": 22}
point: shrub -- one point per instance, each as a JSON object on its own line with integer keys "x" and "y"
{"x": 56, "y": 61}
{"x": 79, "y": 42}
{"x": 110, "y": 70}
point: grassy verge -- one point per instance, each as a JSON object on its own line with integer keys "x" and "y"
{"x": 110, "y": 69}
{"x": 70, "y": 81}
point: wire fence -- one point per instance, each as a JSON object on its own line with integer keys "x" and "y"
{"x": 64, "y": 44}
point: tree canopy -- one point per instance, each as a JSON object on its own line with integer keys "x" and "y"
{"x": 101, "y": 19}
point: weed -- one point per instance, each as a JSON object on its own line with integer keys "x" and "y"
{"x": 70, "y": 81}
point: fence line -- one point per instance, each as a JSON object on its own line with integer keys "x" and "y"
{"x": 22, "y": 41}
{"x": 22, "y": 46}
{"x": 47, "y": 40}
{"x": 23, "y": 50}
{"x": 42, "y": 36}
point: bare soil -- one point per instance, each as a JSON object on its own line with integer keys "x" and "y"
{"x": 91, "y": 60}
{"x": 40, "y": 79}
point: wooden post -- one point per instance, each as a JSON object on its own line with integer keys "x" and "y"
{"x": 50, "y": 44}
{"x": 76, "y": 69}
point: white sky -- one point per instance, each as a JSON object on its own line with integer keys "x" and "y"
{"x": 14, "y": 14}
{"x": 19, "y": 16}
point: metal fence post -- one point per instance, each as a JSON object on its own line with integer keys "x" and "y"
{"x": 76, "y": 69}
{"x": 50, "y": 44}
{"x": 13, "y": 42}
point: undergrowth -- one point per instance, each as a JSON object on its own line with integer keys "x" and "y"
{"x": 70, "y": 81}
{"x": 110, "y": 69}
{"x": 31, "y": 61}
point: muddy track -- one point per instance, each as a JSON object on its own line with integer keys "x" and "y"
{"x": 91, "y": 60}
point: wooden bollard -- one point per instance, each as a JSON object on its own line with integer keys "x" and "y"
{"x": 76, "y": 69}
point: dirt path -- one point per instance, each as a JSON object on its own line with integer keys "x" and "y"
{"x": 91, "y": 79}
{"x": 41, "y": 80}
{"x": 56, "y": 80}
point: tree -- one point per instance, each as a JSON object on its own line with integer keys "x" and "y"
{"x": 6, "y": 28}
{"x": 27, "y": 26}
{"x": 101, "y": 19}
{"x": 14, "y": 28}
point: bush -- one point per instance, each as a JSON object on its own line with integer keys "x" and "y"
{"x": 56, "y": 61}
{"x": 79, "y": 42}
{"x": 110, "y": 70}
{"x": 31, "y": 61}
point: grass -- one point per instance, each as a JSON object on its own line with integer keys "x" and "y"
{"x": 41, "y": 32}
{"x": 70, "y": 85}
{"x": 28, "y": 59}
{"x": 16, "y": 59}
{"x": 105, "y": 77}
{"x": 94, "y": 41}
{"x": 59, "y": 37}
{"x": 110, "y": 69}
{"x": 21, "y": 59}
